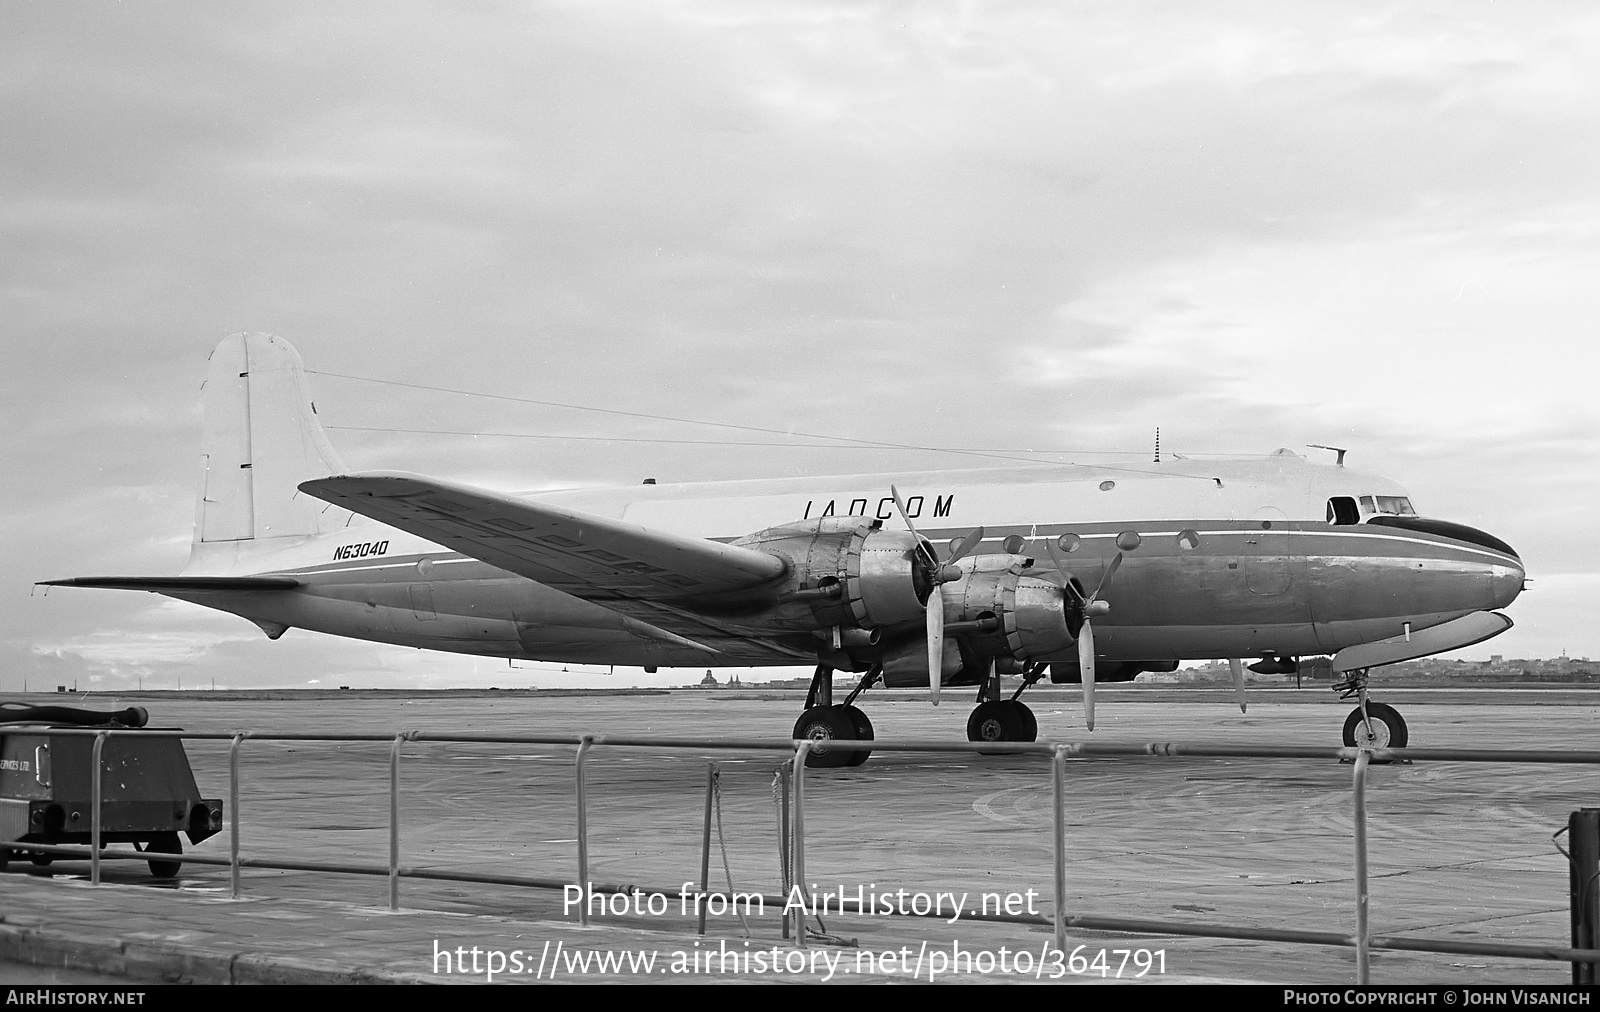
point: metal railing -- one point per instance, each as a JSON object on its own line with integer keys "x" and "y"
{"x": 1361, "y": 939}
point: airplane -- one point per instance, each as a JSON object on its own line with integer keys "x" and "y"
{"x": 1085, "y": 574}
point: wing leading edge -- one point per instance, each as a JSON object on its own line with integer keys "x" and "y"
{"x": 581, "y": 554}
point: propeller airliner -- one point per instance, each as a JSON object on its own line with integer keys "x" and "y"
{"x": 939, "y": 580}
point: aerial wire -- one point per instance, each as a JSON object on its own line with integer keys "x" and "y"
{"x": 788, "y": 434}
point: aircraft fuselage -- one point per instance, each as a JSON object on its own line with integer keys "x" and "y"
{"x": 1229, "y": 558}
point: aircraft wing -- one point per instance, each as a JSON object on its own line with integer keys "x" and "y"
{"x": 581, "y": 554}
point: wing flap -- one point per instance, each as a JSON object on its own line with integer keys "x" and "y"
{"x": 582, "y": 554}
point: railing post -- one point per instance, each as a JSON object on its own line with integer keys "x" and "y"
{"x": 394, "y": 820}
{"x": 705, "y": 846}
{"x": 1058, "y": 776}
{"x": 233, "y": 814}
{"x": 583, "y": 830}
{"x": 1583, "y": 835}
{"x": 784, "y": 838}
{"x": 797, "y": 850}
{"x": 1363, "y": 937}
{"x": 95, "y": 794}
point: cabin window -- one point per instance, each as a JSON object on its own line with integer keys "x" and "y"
{"x": 1342, "y": 510}
{"x": 1367, "y": 505}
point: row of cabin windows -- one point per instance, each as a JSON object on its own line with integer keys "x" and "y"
{"x": 1346, "y": 509}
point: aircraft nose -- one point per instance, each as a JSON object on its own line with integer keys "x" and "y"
{"x": 1506, "y": 583}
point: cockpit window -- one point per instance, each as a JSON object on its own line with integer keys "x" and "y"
{"x": 1395, "y": 505}
{"x": 1387, "y": 505}
{"x": 1342, "y": 510}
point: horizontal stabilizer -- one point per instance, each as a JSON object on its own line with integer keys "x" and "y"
{"x": 163, "y": 584}
{"x": 1452, "y": 635}
{"x": 582, "y": 554}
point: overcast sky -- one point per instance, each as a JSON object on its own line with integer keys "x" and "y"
{"x": 989, "y": 225}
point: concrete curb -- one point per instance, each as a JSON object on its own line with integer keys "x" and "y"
{"x": 137, "y": 960}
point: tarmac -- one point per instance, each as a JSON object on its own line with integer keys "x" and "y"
{"x": 1457, "y": 851}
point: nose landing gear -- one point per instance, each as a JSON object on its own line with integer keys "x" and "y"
{"x": 1370, "y": 724}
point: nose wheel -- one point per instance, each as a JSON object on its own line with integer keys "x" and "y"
{"x": 1380, "y": 727}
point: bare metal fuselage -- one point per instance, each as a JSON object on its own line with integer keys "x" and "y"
{"x": 1233, "y": 558}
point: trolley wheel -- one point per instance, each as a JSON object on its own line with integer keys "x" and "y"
{"x": 1384, "y": 728}
{"x": 164, "y": 843}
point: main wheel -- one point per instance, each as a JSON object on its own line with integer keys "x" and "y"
{"x": 863, "y": 728}
{"x": 5, "y": 858}
{"x": 164, "y": 843}
{"x": 1030, "y": 723}
{"x": 40, "y": 860}
{"x": 1002, "y": 720}
{"x": 1384, "y": 728}
{"x": 826, "y": 723}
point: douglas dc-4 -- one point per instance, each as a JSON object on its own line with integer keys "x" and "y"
{"x": 1080, "y": 574}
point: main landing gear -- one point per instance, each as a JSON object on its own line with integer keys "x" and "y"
{"x": 825, "y": 721}
{"x": 1370, "y": 724}
{"x": 994, "y": 719}
{"x": 997, "y": 719}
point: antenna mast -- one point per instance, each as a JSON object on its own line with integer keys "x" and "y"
{"x": 1341, "y": 451}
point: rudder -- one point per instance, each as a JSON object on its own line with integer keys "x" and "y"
{"x": 260, "y": 440}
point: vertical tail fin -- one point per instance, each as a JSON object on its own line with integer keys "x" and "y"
{"x": 261, "y": 438}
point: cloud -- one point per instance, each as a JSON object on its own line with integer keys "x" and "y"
{"x": 1009, "y": 226}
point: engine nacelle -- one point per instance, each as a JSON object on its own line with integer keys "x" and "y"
{"x": 850, "y": 571}
{"x": 1021, "y": 614}
{"x": 906, "y": 666}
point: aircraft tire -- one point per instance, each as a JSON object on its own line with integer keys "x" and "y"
{"x": 41, "y": 860}
{"x": 826, "y": 723}
{"x": 1030, "y": 723}
{"x": 5, "y": 858}
{"x": 1002, "y": 720}
{"x": 863, "y": 728}
{"x": 165, "y": 843}
{"x": 1388, "y": 731}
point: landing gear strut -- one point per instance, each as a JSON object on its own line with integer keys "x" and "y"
{"x": 1370, "y": 724}
{"x": 996, "y": 719}
{"x": 824, "y": 721}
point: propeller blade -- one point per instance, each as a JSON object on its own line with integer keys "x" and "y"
{"x": 927, "y": 551}
{"x": 935, "y": 613}
{"x": 1086, "y": 666}
{"x": 900, "y": 504}
{"x": 1237, "y": 667}
{"x": 1061, "y": 570}
{"x": 1111, "y": 571}
{"x": 963, "y": 547}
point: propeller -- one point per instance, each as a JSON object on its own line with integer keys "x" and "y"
{"x": 934, "y": 609}
{"x": 1088, "y": 606}
{"x": 1237, "y": 667}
